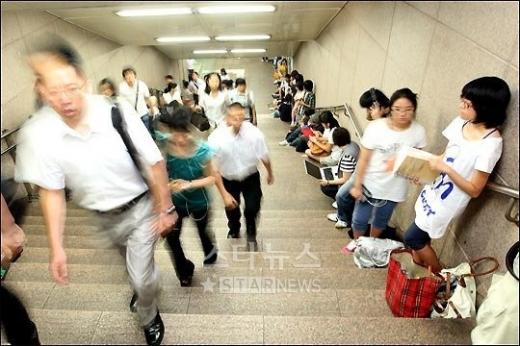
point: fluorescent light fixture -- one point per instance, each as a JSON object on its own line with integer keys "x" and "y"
{"x": 254, "y": 50}
{"x": 236, "y": 9}
{"x": 210, "y": 51}
{"x": 154, "y": 12}
{"x": 180, "y": 39}
{"x": 243, "y": 37}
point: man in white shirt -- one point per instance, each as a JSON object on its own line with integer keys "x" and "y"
{"x": 245, "y": 97}
{"x": 196, "y": 86}
{"x": 239, "y": 148}
{"x": 137, "y": 94}
{"x": 76, "y": 144}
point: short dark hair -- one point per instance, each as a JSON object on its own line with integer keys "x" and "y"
{"x": 240, "y": 81}
{"x": 110, "y": 83}
{"x": 294, "y": 73}
{"x": 371, "y": 96}
{"x": 179, "y": 120}
{"x": 490, "y": 97}
{"x": 206, "y": 78}
{"x": 185, "y": 83}
{"x": 128, "y": 69}
{"x": 404, "y": 93}
{"x": 168, "y": 76}
{"x": 236, "y": 104}
{"x": 308, "y": 85}
{"x": 228, "y": 83}
{"x": 341, "y": 136}
{"x": 327, "y": 117}
{"x": 223, "y": 71}
{"x": 61, "y": 49}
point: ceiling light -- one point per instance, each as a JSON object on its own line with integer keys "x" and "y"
{"x": 154, "y": 12}
{"x": 243, "y": 37}
{"x": 183, "y": 39}
{"x": 210, "y": 51}
{"x": 236, "y": 9}
{"x": 255, "y": 50}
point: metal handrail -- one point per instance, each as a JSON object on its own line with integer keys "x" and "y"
{"x": 505, "y": 190}
{"x": 7, "y": 133}
{"x": 8, "y": 149}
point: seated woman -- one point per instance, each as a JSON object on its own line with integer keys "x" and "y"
{"x": 191, "y": 172}
{"x": 346, "y": 165}
{"x": 474, "y": 147}
{"x": 321, "y": 145}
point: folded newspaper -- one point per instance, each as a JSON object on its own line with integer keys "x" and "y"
{"x": 411, "y": 163}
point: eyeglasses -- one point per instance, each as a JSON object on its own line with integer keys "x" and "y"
{"x": 401, "y": 110}
{"x": 71, "y": 91}
{"x": 466, "y": 104}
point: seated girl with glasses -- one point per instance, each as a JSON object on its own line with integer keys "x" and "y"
{"x": 474, "y": 147}
{"x": 374, "y": 186}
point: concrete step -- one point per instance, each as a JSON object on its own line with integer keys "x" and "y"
{"x": 326, "y": 230}
{"x": 109, "y": 327}
{"x": 193, "y": 243}
{"x": 283, "y": 301}
{"x": 222, "y": 279}
{"x": 319, "y": 259}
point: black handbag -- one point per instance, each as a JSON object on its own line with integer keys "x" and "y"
{"x": 200, "y": 120}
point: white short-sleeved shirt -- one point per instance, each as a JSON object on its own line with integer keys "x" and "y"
{"x": 215, "y": 107}
{"x": 385, "y": 143}
{"x": 129, "y": 93}
{"x": 96, "y": 166}
{"x": 443, "y": 200}
{"x": 176, "y": 95}
{"x": 237, "y": 156}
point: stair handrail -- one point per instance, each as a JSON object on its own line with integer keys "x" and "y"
{"x": 31, "y": 195}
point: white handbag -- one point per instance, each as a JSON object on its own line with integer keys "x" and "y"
{"x": 461, "y": 281}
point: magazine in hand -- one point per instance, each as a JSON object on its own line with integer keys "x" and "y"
{"x": 411, "y": 162}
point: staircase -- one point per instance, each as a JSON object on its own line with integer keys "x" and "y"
{"x": 313, "y": 293}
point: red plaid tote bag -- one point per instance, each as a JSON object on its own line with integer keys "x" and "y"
{"x": 411, "y": 289}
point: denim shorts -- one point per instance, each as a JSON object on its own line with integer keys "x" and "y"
{"x": 364, "y": 211}
{"x": 415, "y": 238}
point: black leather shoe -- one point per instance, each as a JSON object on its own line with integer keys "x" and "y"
{"x": 232, "y": 234}
{"x": 212, "y": 257}
{"x": 133, "y": 303}
{"x": 185, "y": 278}
{"x": 154, "y": 332}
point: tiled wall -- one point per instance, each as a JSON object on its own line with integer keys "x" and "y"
{"x": 101, "y": 57}
{"x": 434, "y": 48}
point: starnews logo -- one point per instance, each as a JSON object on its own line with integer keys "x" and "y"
{"x": 251, "y": 284}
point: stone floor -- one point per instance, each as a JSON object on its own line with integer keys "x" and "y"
{"x": 298, "y": 289}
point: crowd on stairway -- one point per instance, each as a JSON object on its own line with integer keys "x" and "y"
{"x": 135, "y": 157}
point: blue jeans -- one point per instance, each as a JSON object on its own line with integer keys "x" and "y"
{"x": 147, "y": 121}
{"x": 416, "y": 238}
{"x": 363, "y": 211}
{"x": 345, "y": 201}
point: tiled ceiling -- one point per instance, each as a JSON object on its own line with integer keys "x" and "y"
{"x": 290, "y": 24}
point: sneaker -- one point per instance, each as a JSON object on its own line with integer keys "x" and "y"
{"x": 332, "y": 217}
{"x": 284, "y": 142}
{"x": 335, "y": 205}
{"x": 341, "y": 224}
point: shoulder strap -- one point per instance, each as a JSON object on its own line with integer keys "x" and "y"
{"x": 137, "y": 95}
{"x": 490, "y": 133}
{"x": 120, "y": 125}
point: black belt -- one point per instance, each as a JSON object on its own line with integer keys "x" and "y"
{"x": 124, "y": 207}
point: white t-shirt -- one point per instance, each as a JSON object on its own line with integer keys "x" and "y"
{"x": 443, "y": 200}
{"x": 174, "y": 94}
{"x": 129, "y": 93}
{"x": 237, "y": 156}
{"x": 95, "y": 165}
{"x": 385, "y": 143}
{"x": 214, "y": 107}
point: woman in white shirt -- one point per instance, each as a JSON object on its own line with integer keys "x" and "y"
{"x": 474, "y": 147}
{"x": 214, "y": 100}
{"x": 375, "y": 187}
